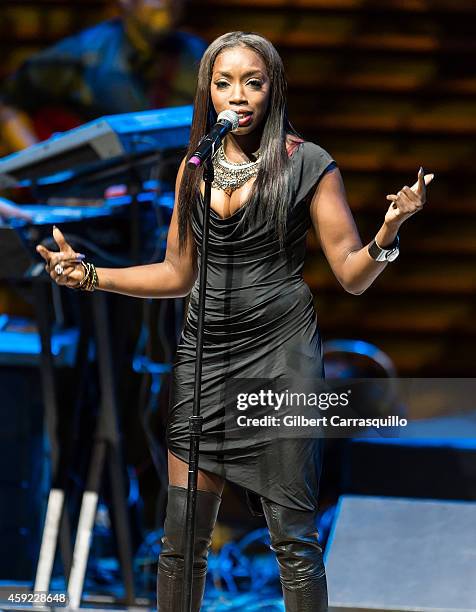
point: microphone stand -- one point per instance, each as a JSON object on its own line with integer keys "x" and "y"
{"x": 195, "y": 421}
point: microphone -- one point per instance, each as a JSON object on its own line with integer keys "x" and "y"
{"x": 227, "y": 121}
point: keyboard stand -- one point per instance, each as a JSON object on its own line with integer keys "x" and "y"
{"x": 56, "y": 520}
{"x": 107, "y": 450}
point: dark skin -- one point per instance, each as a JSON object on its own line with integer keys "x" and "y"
{"x": 240, "y": 82}
{"x": 148, "y": 20}
{"x": 243, "y": 88}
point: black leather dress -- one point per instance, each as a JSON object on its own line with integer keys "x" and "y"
{"x": 260, "y": 323}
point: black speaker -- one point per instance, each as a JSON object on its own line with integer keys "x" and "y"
{"x": 397, "y": 554}
{"x": 432, "y": 458}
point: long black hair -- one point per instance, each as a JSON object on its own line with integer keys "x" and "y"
{"x": 272, "y": 184}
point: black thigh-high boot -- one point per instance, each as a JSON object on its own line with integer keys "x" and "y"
{"x": 171, "y": 559}
{"x": 294, "y": 539}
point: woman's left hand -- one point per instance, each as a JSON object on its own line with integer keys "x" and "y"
{"x": 408, "y": 200}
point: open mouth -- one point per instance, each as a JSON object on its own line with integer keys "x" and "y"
{"x": 246, "y": 118}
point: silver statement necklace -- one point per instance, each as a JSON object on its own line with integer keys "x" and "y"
{"x": 230, "y": 176}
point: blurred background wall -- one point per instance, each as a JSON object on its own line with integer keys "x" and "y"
{"x": 385, "y": 87}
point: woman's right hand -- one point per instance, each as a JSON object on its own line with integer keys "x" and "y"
{"x": 64, "y": 266}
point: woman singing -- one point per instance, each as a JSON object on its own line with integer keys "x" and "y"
{"x": 270, "y": 187}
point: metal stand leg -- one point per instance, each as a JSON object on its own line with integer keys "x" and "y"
{"x": 107, "y": 448}
{"x": 53, "y": 523}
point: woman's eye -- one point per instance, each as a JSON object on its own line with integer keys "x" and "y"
{"x": 221, "y": 84}
{"x": 255, "y": 84}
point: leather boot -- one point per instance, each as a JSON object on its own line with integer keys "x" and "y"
{"x": 171, "y": 559}
{"x": 294, "y": 539}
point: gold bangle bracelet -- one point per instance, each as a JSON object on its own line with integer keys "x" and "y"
{"x": 90, "y": 280}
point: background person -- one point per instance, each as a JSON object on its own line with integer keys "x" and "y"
{"x": 135, "y": 62}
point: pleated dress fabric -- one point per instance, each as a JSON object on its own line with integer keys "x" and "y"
{"x": 260, "y": 324}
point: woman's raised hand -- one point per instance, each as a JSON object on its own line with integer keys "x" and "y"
{"x": 408, "y": 200}
{"x": 64, "y": 266}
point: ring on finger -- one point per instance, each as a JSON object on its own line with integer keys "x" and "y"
{"x": 59, "y": 269}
